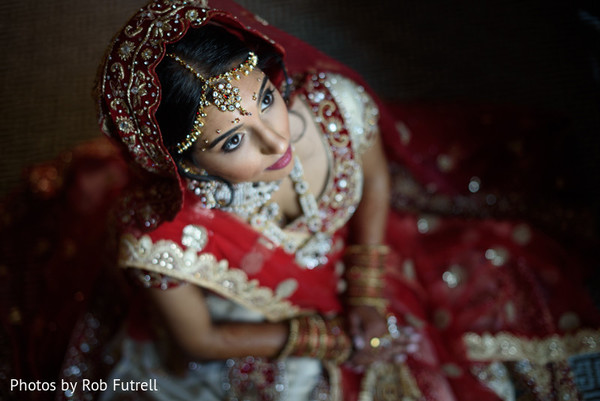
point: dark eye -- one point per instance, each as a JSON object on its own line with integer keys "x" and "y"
{"x": 233, "y": 142}
{"x": 267, "y": 100}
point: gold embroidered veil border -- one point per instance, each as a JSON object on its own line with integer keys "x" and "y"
{"x": 184, "y": 263}
{"x": 508, "y": 347}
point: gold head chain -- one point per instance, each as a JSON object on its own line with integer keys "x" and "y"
{"x": 224, "y": 95}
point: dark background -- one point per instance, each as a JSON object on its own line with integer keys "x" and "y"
{"x": 538, "y": 54}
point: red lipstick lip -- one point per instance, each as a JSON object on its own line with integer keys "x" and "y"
{"x": 283, "y": 160}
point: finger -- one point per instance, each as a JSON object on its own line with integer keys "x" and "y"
{"x": 375, "y": 328}
{"x": 358, "y": 338}
{"x": 364, "y": 359}
{"x": 370, "y": 353}
{"x": 359, "y": 342}
{"x": 355, "y": 325}
{"x": 406, "y": 341}
{"x": 384, "y": 355}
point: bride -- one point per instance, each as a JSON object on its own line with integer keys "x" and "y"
{"x": 261, "y": 256}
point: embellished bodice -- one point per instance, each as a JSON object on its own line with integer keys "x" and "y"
{"x": 347, "y": 117}
{"x": 239, "y": 261}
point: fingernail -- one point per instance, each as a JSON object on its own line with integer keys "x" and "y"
{"x": 415, "y": 337}
{"x": 400, "y": 358}
{"x": 359, "y": 343}
{"x": 412, "y": 348}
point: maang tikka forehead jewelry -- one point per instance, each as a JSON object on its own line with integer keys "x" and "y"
{"x": 224, "y": 95}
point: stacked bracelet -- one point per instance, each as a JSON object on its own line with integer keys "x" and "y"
{"x": 365, "y": 269}
{"x": 316, "y": 337}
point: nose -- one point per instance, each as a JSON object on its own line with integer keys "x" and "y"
{"x": 271, "y": 141}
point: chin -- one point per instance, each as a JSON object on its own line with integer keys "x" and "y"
{"x": 274, "y": 175}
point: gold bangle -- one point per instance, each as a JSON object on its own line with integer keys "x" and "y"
{"x": 314, "y": 336}
{"x": 343, "y": 347}
{"x": 378, "y": 303}
{"x": 365, "y": 271}
{"x": 360, "y": 282}
{"x": 322, "y": 346}
{"x": 365, "y": 248}
{"x": 292, "y": 340}
{"x": 344, "y": 354}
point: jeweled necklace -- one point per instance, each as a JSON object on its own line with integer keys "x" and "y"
{"x": 248, "y": 197}
{"x": 308, "y": 252}
{"x": 252, "y": 202}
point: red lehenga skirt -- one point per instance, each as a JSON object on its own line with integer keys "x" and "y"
{"x": 489, "y": 264}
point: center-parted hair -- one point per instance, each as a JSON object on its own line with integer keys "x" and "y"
{"x": 211, "y": 50}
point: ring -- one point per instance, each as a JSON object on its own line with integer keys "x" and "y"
{"x": 376, "y": 342}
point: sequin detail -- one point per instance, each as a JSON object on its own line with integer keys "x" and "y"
{"x": 168, "y": 258}
{"x": 508, "y": 347}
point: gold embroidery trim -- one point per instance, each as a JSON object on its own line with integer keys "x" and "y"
{"x": 508, "y": 347}
{"x": 168, "y": 258}
{"x": 351, "y": 99}
{"x": 389, "y": 382}
{"x": 345, "y": 168}
{"x": 335, "y": 381}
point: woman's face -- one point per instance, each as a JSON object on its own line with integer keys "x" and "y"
{"x": 253, "y": 147}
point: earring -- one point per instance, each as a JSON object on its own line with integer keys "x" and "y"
{"x": 191, "y": 172}
{"x": 212, "y": 192}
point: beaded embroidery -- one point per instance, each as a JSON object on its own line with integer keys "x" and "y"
{"x": 251, "y": 201}
{"x": 225, "y": 96}
{"x": 308, "y": 254}
{"x": 167, "y": 258}
{"x": 245, "y": 199}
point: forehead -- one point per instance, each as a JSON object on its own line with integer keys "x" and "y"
{"x": 220, "y": 120}
{"x": 249, "y": 82}
{"x": 244, "y": 91}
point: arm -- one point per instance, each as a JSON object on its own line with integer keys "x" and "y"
{"x": 186, "y": 315}
{"x": 367, "y": 227}
{"x": 368, "y": 223}
{"x": 188, "y": 320}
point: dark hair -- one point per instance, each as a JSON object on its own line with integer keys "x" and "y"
{"x": 211, "y": 50}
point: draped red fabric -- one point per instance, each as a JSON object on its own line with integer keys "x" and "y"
{"x": 231, "y": 240}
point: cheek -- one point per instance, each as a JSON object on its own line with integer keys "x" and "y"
{"x": 283, "y": 121}
{"x": 235, "y": 168}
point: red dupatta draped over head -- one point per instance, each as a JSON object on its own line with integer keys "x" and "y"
{"x": 129, "y": 97}
{"x": 130, "y": 93}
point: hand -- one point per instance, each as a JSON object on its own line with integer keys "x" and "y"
{"x": 377, "y": 338}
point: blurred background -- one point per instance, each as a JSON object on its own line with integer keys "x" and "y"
{"x": 531, "y": 53}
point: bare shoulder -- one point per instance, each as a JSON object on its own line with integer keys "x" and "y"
{"x": 310, "y": 146}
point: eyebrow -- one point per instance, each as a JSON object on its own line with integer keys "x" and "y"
{"x": 223, "y": 136}
{"x": 261, "y": 91}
